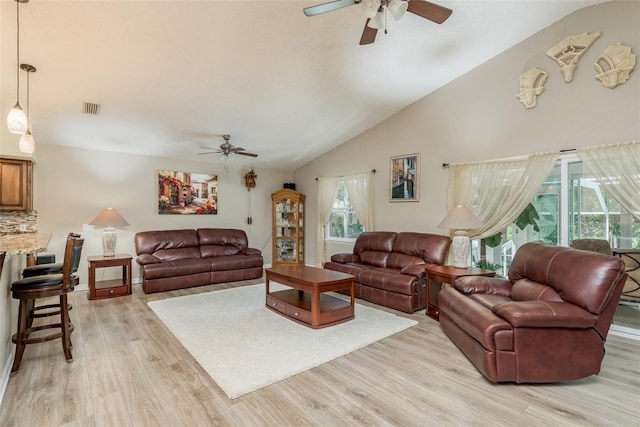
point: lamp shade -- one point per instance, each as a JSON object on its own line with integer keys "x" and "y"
{"x": 27, "y": 144}
{"x": 460, "y": 218}
{"x": 109, "y": 218}
{"x": 17, "y": 120}
{"x": 370, "y": 8}
{"x": 377, "y": 22}
{"x": 398, "y": 8}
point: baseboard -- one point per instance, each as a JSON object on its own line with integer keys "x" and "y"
{"x": 6, "y": 372}
{"x": 624, "y": 331}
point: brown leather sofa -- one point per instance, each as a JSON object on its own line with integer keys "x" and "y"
{"x": 176, "y": 259}
{"x": 548, "y": 322}
{"x": 389, "y": 267}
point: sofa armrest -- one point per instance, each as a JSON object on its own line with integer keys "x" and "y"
{"x": 145, "y": 259}
{"x": 252, "y": 251}
{"x": 546, "y": 314}
{"x": 417, "y": 270}
{"x": 344, "y": 258}
{"x": 483, "y": 285}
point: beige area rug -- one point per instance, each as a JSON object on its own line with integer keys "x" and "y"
{"x": 244, "y": 346}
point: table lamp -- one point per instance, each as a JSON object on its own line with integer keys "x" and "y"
{"x": 461, "y": 220}
{"x": 109, "y": 218}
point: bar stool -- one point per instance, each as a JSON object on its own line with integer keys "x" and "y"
{"x": 50, "y": 268}
{"x": 27, "y": 290}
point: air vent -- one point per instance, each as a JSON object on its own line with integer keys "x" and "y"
{"x": 90, "y": 108}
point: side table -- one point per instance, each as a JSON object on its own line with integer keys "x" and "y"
{"x": 109, "y": 288}
{"x": 447, "y": 274}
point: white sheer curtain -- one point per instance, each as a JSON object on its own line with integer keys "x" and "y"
{"x": 327, "y": 192}
{"x": 616, "y": 167}
{"x": 498, "y": 191}
{"x": 360, "y": 193}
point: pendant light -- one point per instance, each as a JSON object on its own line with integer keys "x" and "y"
{"x": 27, "y": 144}
{"x": 17, "y": 119}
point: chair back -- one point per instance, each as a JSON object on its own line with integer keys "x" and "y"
{"x": 594, "y": 245}
{"x": 72, "y": 254}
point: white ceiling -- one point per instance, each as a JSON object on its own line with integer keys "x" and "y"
{"x": 173, "y": 76}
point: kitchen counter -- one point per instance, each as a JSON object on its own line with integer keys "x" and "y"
{"x": 24, "y": 243}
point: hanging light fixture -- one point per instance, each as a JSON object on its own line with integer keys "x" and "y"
{"x": 376, "y": 11}
{"x": 27, "y": 144}
{"x": 17, "y": 119}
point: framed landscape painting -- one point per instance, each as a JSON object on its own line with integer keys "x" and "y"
{"x": 404, "y": 178}
{"x": 187, "y": 193}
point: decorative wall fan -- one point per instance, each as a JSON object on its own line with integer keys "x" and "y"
{"x": 376, "y": 13}
{"x": 227, "y": 151}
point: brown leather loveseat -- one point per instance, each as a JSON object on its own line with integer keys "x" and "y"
{"x": 548, "y": 322}
{"x": 176, "y": 259}
{"x": 389, "y": 267}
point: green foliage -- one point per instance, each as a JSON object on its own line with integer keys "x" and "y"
{"x": 493, "y": 241}
{"x": 528, "y": 216}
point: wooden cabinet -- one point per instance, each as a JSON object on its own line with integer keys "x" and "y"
{"x": 16, "y": 185}
{"x": 288, "y": 228}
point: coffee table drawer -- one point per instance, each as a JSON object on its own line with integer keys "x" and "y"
{"x": 276, "y": 304}
{"x": 298, "y": 313}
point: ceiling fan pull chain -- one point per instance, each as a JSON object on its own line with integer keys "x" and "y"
{"x": 385, "y": 21}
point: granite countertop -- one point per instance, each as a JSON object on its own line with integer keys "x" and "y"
{"x": 24, "y": 243}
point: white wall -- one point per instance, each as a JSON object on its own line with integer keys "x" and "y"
{"x": 478, "y": 117}
{"x": 71, "y": 186}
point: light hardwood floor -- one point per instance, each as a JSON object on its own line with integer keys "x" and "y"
{"x": 129, "y": 370}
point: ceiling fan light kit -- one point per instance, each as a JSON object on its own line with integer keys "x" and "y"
{"x": 375, "y": 12}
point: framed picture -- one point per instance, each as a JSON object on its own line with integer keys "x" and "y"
{"x": 187, "y": 193}
{"x": 404, "y": 178}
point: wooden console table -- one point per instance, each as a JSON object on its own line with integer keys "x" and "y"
{"x": 447, "y": 274}
{"x": 109, "y": 288}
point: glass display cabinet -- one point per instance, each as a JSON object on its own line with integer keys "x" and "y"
{"x": 288, "y": 228}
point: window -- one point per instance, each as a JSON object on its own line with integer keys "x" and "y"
{"x": 570, "y": 205}
{"x": 343, "y": 223}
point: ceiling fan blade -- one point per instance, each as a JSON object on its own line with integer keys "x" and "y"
{"x": 327, "y": 7}
{"x": 244, "y": 153}
{"x": 236, "y": 149}
{"x": 210, "y": 152}
{"x": 430, "y": 11}
{"x": 368, "y": 34}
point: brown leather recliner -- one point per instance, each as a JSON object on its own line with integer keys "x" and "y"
{"x": 548, "y": 322}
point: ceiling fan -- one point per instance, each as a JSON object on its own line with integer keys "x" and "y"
{"x": 227, "y": 151}
{"x": 375, "y": 11}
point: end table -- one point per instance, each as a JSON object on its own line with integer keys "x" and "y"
{"x": 109, "y": 288}
{"x": 447, "y": 274}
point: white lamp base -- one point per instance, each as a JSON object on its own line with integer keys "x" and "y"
{"x": 109, "y": 238}
{"x": 461, "y": 246}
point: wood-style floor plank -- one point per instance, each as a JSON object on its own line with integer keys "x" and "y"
{"x": 129, "y": 370}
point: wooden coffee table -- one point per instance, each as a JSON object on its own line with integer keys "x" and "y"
{"x": 307, "y": 302}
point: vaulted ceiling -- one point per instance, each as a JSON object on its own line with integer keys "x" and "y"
{"x": 173, "y": 76}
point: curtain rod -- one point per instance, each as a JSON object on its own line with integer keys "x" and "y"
{"x": 565, "y": 150}
{"x": 372, "y": 171}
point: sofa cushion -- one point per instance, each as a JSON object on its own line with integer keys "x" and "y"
{"x": 379, "y": 241}
{"x": 375, "y": 258}
{"x": 168, "y": 245}
{"x": 215, "y": 242}
{"x": 430, "y": 248}
{"x": 183, "y": 267}
{"x": 234, "y": 262}
{"x": 388, "y": 279}
{"x": 352, "y": 268}
{"x": 528, "y": 290}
